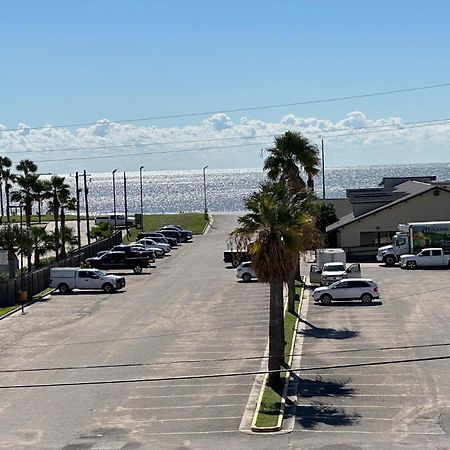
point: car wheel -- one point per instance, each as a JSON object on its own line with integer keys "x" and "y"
{"x": 235, "y": 262}
{"x": 326, "y": 299}
{"x": 246, "y": 277}
{"x": 390, "y": 260}
{"x": 63, "y": 288}
{"x": 137, "y": 269}
{"x": 366, "y": 298}
{"x": 411, "y": 265}
{"x": 130, "y": 224}
{"x": 108, "y": 288}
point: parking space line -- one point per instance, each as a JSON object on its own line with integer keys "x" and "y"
{"x": 164, "y": 386}
{"x": 329, "y": 405}
{"x": 396, "y": 433}
{"x": 184, "y": 395}
{"x": 183, "y": 432}
{"x": 150, "y": 408}
{"x": 181, "y": 419}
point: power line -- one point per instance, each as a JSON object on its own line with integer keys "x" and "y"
{"x": 219, "y": 375}
{"x": 248, "y": 108}
{"x": 323, "y": 134}
{"x": 210, "y": 360}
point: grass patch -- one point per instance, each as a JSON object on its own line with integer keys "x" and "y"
{"x": 6, "y": 309}
{"x": 43, "y": 293}
{"x": 191, "y": 221}
{"x": 271, "y": 402}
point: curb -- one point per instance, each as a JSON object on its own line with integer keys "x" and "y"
{"x": 208, "y": 225}
{"x": 277, "y": 429}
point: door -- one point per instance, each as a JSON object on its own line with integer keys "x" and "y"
{"x": 354, "y": 271}
{"x": 84, "y": 279}
{"x": 424, "y": 258}
{"x": 340, "y": 291}
{"x": 315, "y": 274}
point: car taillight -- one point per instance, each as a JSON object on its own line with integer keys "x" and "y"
{"x": 375, "y": 289}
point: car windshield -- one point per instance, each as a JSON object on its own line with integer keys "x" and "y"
{"x": 101, "y": 273}
{"x": 335, "y": 284}
{"x": 335, "y": 268}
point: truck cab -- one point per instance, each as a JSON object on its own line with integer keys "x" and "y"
{"x": 332, "y": 272}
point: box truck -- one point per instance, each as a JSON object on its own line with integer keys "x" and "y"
{"x": 414, "y": 237}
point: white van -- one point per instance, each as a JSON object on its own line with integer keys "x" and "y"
{"x": 67, "y": 278}
{"x": 115, "y": 220}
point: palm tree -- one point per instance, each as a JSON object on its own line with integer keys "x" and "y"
{"x": 271, "y": 231}
{"x": 67, "y": 202}
{"x": 293, "y": 152}
{"x": 59, "y": 193}
{"x": 41, "y": 190}
{"x": 9, "y": 178}
{"x": 41, "y": 242}
{"x": 5, "y": 162}
{"x": 11, "y": 240}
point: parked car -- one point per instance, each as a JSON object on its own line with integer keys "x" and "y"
{"x": 118, "y": 260}
{"x": 245, "y": 271}
{"x": 428, "y": 257}
{"x": 117, "y": 220}
{"x": 67, "y": 278}
{"x": 186, "y": 235}
{"x": 152, "y": 243}
{"x": 130, "y": 251}
{"x": 235, "y": 257}
{"x": 158, "y": 252}
{"x": 347, "y": 289}
{"x": 171, "y": 233}
{"x": 103, "y": 252}
{"x": 333, "y": 271}
{"x": 154, "y": 234}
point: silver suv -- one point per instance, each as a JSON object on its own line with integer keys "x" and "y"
{"x": 246, "y": 271}
{"x": 347, "y": 289}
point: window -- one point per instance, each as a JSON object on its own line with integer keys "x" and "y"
{"x": 343, "y": 285}
{"x": 357, "y": 284}
{"x": 83, "y": 274}
{"x": 436, "y": 253}
{"x": 426, "y": 253}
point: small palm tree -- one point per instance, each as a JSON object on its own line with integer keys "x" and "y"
{"x": 67, "y": 202}
{"x": 11, "y": 240}
{"x": 271, "y": 230}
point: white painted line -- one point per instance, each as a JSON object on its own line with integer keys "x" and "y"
{"x": 353, "y": 374}
{"x": 183, "y": 395}
{"x": 329, "y": 405}
{"x": 151, "y": 408}
{"x": 171, "y": 386}
{"x": 183, "y": 433}
{"x": 406, "y": 433}
{"x": 183, "y": 419}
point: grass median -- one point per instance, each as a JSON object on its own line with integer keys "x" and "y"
{"x": 6, "y": 309}
{"x": 191, "y": 221}
{"x": 272, "y": 403}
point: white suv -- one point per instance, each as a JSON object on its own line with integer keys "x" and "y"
{"x": 347, "y": 289}
{"x": 246, "y": 271}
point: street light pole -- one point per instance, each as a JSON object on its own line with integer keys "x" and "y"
{"x": 323, "y": 173}
{"x": 142, "y": 203}
{"x": 114, "y": 198}
{"x": 125, "y": 201}
{"x": 77, "y": 187}
{"x": 204, "y": 191}
{"x": 87, "y": 208}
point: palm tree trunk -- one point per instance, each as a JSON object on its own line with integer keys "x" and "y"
{"x": 276, "y": 334}
{"x": 1, "y": 200}
{"x": 8, "y": 217}
{"x": 37, "y": 258}
{"x": 291, "y": 293}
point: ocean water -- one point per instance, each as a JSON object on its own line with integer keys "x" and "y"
{"x": 226, "y": 189}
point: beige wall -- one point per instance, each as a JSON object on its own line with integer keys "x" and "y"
{"x": 423, "y": 208}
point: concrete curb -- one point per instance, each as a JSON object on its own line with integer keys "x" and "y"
{"x": 208, "y": 225}
{"x": 277, "y": 429}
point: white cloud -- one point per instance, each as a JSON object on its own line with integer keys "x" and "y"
{"x": 64, "y": 149}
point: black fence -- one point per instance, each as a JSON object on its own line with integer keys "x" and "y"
{"x": 38, "y": 280}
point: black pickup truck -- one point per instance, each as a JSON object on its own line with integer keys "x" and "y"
{"x": 118, "y": 260}
{"x": 235, "y": 257}
{"x": 130, "y": 252}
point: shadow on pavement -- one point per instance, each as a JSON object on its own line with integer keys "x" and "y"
{"x": 318, "y": 412}
{"x": 329, "y": 333}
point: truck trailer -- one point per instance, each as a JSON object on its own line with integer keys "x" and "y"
{"x": 413, "y": 238}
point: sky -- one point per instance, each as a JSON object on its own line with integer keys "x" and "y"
{"x": 100, "y": 65}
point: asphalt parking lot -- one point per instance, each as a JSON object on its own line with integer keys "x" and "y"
{"x": 377, "y": 375}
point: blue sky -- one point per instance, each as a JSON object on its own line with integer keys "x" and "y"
{"x": 77, "y": 62}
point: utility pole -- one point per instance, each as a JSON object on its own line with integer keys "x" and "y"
{"x": 204, "y": 192}
{"x": 87, "y": 208}
{"x": 142, "y": 202}
{"x": 77, "y": 187}
{"x": 114, "y": 199}
{"x": 323, "y": 173}
{"x": 125, "y": 200}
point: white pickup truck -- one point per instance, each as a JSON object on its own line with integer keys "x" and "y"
{"x": 67, "y": 278}
{"x": 428, "y": 257}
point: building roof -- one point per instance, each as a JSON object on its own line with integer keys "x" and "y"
{"x": 417, "y": 190}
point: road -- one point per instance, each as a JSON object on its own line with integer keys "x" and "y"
{"x": 188, "y": 308}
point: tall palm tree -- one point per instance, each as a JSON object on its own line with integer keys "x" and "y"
{"x": 9, "y": 179}
{"x": 59, "y": 192}
{"x": 67, "y": 202}
{"x": 5, "y": 163}
{"x": 271, "y": 230}
{"x": 10, "y": 240}
{"x": 293, "y": 152}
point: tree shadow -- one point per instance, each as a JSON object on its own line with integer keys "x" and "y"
{"x": 329, "y": 333}
{"x": 318, "y": 412}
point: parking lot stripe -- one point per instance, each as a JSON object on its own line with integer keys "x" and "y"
{"x": 182, "y": 395}
{"x": 395, "y": 433}
{"x": 183, "y": 432}
{"x": 150, "y": 408}
{"x": 164, "y": 386}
